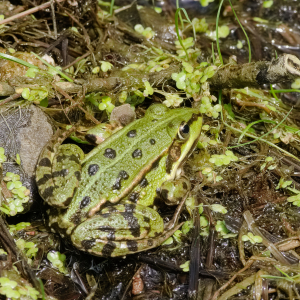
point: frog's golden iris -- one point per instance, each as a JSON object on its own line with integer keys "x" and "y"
{"x": 103, "y": 200}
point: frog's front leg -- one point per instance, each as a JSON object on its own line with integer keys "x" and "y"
{"x": 58, "y": 171}
{"x": 121, "y": 229}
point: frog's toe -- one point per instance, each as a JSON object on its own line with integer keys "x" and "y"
{"x": 121, "y": 230}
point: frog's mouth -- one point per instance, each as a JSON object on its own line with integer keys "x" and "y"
{"x": 180, "y": 150}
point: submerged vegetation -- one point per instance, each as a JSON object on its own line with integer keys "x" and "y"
{"x": 237, "y": 64}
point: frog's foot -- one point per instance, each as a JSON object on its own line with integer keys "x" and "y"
{"x": 58, "y": 171}
{"x": 120, "y": 230}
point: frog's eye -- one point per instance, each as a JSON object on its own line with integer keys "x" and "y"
{"x": 184, "y": 131}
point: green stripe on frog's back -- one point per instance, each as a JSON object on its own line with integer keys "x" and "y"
{"x": 117, "y": 165}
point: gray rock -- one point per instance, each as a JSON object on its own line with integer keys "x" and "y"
{"x": 24, "y": 131}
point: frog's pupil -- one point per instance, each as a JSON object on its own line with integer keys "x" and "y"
{"x": 185, "y": 129}
{"x": 152, "y": 141}
{"x": 110, "y": 153}
{"x": 137, "y": 153}
{"x": 93, "y": 169}
{"x": 84, "y": 202}
{"x": 131, "y": 133}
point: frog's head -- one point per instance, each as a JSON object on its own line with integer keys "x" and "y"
{"x": 184, "y": 128}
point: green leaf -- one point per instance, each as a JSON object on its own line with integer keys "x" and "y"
{"x": 18, "y": 159}
{"x": 218, "y": 208}
{"x": 267, "y": 4}
{"x": 252, "y": 238}
{"x": 187, "y": 226}
{"x": 105, "y": 66}
{"x": 168, "y": 241}
{"x": 44, "y": 102}
{"x": 186, "y": 266}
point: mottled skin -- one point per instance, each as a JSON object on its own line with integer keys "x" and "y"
{"x": 103, "y": 200}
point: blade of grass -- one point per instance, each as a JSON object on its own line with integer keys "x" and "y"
{"x": 111, "y": 9}
{"x": 42, "y": 288}
{"x": 251, "y": 124}
{"x": 53, "y": 68}
{"x": 286, "y": 91}
{"x": 217, "y": 32}
{"x": 213, "y": 53}
{"x": 177, "y": 28}
{"x": 273, "y": 93}
{"x": 17, "y": 60}
{"x": 267, "y": 133}
{"x": 252, "y": 136}
{"x": 180, "y": 17}
{"x": 248, "y": 41}
{"x": 274, "y": 277}
{"x": 285, "y": 274}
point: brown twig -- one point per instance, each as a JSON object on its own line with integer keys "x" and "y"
{"x": 248, "y": 103}
{"x": 28, "y": 12}
{"x": 71, "y": 99}
{"x": 285, "y": 68}
{"x": 10, "y": 98}
{"x": 76, "y": 60}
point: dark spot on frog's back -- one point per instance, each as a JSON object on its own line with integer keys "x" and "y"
{"x": 45, "y": 162}
{"x": 131, "y": 133}
{"x": 68, "y": 201}
{"x": 76, "y": 218}
{"x": 48, "y": 192}
{"x": 132, "y": 246}
{"x": 137, "y": 153}
{"x": 93, "y": 169}
{"x": 110, "y": 232}
{"x": 108, "y": 248}
{"x": 44, "y": 179}
{"x": 78, "y": 175}
{"x": 146, "y": 219}
{"x": 152, "y": 142}
{"x": 85, "y": 202}
{"x": 117, "y": 185}
{"x": 61, "y": 173}
{"x": 91, "y": 138}
{"x": 123, "y": 175}
{"x": 110, "y": 153}
{"x": 144, "y": 182}
{"x": 129, "y": 208}
{"x": 133, "y": 223}
{"x": 150, "y": 242}
{"x": 88, "y": 244}
{"x": 134, "y": 197}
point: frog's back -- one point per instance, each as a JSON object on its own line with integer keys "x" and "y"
{"x": 116, "y": 166}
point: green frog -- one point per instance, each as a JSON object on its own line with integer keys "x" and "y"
{"x": 104, "y": 200}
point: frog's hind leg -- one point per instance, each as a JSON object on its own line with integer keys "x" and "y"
{"x": 58, "y": 170}
{"x": 122, "y": 229}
